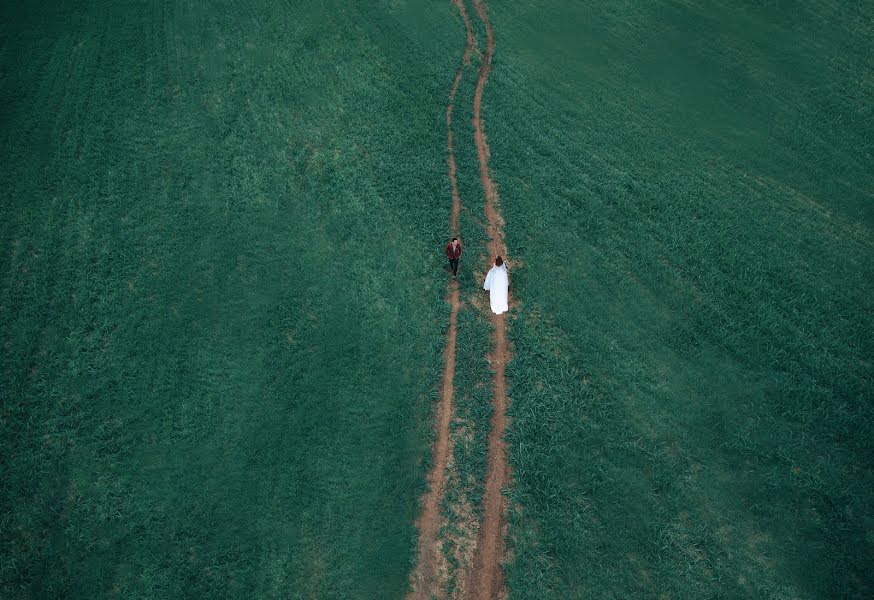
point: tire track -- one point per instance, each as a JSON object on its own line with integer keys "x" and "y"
{"x": 487, "y": 575}
{"x": 429, "y": 576}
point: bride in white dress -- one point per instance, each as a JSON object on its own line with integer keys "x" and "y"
{"x": 497, "y": 283}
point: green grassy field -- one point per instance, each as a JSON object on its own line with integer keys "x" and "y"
{"x": 221, "y": 325}
{"x": 690, "y": 186}
{"x": 222, "y": 315}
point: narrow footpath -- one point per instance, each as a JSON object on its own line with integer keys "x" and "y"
{"x": 488, "y": 576}
{"x": 431, "y": 569}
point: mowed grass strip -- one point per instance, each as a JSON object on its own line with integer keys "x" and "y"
{"x": 690, "y": 189}
{"x": 221, "y": 329}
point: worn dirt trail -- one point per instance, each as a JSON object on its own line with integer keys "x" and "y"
{"x": 430, "y": 575}
{"x": 487, "y": 575}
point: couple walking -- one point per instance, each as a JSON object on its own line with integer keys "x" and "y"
{"x": 497, "y": 282}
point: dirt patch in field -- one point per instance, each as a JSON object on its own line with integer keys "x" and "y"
{"x": 429, "y": 578}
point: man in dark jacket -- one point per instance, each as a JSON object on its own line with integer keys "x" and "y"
{"x": 453, "y": 253}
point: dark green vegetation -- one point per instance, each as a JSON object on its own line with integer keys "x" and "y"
{"x": 221, "y": 329}
{"x": 691, "y": 187}
{"x": 221, "y": 332}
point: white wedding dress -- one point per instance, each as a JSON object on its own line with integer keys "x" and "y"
{"x": 498, "y": 284}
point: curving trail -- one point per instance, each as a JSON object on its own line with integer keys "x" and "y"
{"x": 465, "y": 60}
{"x": 427, "y": 578}
{"x": 487, "y": 573}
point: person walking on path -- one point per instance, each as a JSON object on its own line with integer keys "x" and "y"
{"x": 453, "y": 253}
{"x": 497, "y": 283}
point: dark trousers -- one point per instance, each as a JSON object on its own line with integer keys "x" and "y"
{"x": 453, "y": 262}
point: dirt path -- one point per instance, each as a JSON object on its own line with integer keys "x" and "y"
{"x": 487, "y": 573}
{"x": 465, "y": 60}
{"x": 429, "y": 577}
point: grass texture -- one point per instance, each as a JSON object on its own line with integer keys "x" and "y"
{"x": 220, "y": 322}
{"x": 222, "y": 330}
{"x": 689, "y": 187}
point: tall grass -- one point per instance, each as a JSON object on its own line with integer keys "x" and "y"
{"x": 220, "y": 322}
{"x": 689, "y": 188}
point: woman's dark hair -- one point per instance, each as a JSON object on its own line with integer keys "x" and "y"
{"x": 454, "y": 239}
{"x": 499, "y": 261}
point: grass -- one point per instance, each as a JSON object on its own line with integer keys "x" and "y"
{"x": 690, "y": 190}
{"x": 220, "y": 329}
